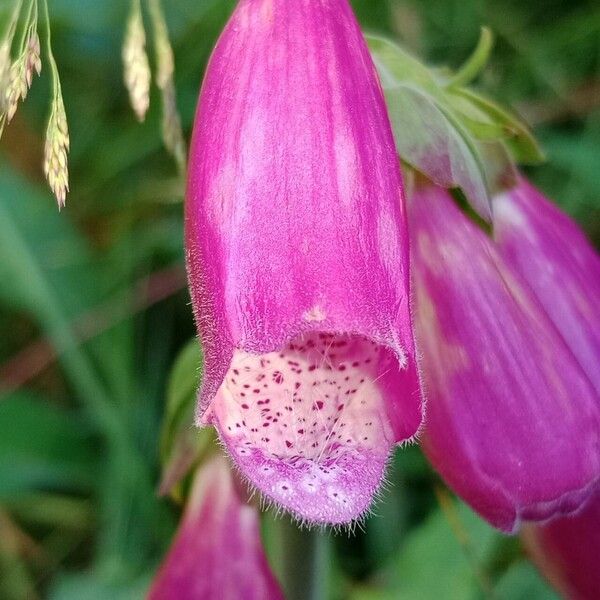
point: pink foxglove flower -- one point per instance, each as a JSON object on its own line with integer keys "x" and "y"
{"x": 513, "y": 422}
{"x": 558, "y": 262}
{"x": 567, "y": 551}
{"x": 217, "y": 552}
{"x": 298, "y": 260}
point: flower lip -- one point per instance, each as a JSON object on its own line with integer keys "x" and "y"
{"x": 310, "y": 425}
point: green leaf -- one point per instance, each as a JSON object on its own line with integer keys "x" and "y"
{"x": 523, "y": 582}
{"x": 184, "y": 382}
{"x": 428, "y": 141}
{"x": 43, "y": 447}
{"x": 99, "y": 586}
{"x": 182, "y": 444}
{"x": 16, "y": 582}
{"x": 44, "y": 270}
{"x": 49, "y": 269}
{"x": 52, "y": 510}
{"x": 577, "y": 155}
{"x": 439, "y": 559}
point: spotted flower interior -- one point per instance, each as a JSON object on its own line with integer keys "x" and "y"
{"x": 308, "y": 425}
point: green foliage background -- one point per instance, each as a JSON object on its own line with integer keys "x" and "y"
{"x": 93, "y": 306}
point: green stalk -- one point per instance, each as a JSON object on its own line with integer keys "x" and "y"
{"x": 12, "y": 24}
{"x": 476, "y": 62}
{"x": 304, "y": 561}
{"x": 55, "y": 77}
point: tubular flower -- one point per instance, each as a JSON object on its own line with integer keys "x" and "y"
{"x": 567, "y": 551}
{"x": 513, "y": 422}
{"x": 560, "y": 265}
{"x": 217, "y": 552}
{"x": 298, "y": 259}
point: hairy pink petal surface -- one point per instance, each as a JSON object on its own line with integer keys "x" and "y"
{"x": 217, "y": 553}
{"x": 298, "y": 259}
{"x": 560, "y": 265}
{"x": 513, "y": 423}
{"x": 567, "y": 551}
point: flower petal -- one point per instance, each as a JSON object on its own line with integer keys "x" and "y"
{"x": 560, "y": 265}
{"x": 296, "y": 233}
{"x": 513, "y": 422}
{"x": 567, "y": 551}
{"x": 217, "y": 552}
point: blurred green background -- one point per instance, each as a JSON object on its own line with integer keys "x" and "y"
{"x": 94, "y": 310}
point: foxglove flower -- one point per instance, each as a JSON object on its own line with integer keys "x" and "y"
{"x": 513, "y": 423}
{"x": 217, "y": 552}
{"x": 567, "y": 551}
{"x": 560, "y": 265}
{"x": 298, "y": 259}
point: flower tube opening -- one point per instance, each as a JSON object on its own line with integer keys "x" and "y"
{"x": 310, "y": 426}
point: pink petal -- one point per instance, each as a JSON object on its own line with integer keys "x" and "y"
{"x": 513, "y": 423}
{"x": 217, "y": 553}
{"x": 567, "y": 551}
{"x": 560, "y": 265}
{"x": 298, "y": 259}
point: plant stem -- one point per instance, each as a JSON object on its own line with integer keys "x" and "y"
{"x": 476, "y": 62}
{"x": 304, "y": 561}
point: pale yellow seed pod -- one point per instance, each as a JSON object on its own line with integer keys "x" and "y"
{"x": 55, "y": 151}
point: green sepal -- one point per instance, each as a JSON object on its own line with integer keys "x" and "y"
{"x": 516, "y": 135}
{"x": 428, "y": 131}
{"x": 456, "y": 137}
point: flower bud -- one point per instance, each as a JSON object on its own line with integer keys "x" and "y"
{"x": 513, "y": 422}
{"x": 567, "y": 551}
{"x": 217, "y": 552}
